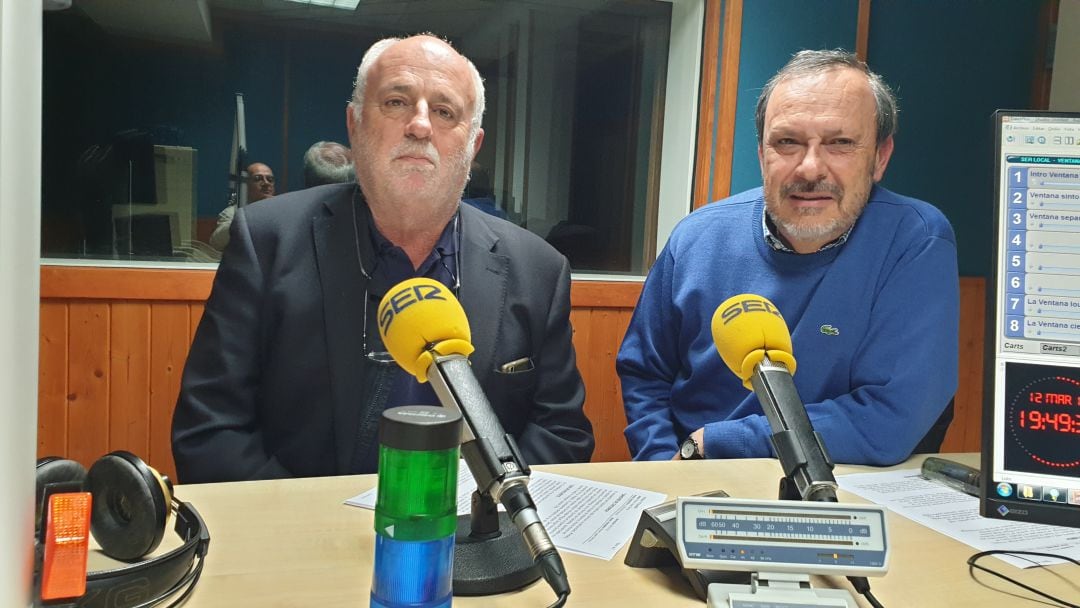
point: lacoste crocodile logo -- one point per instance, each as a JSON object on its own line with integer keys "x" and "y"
{"x": 829, "y": 330}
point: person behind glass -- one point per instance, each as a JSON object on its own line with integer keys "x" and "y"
{"x": 287, "y": 377}
{"x": 865, "y": 279}
{"x": 479, "y": 193}
{"x": 260, "y": 185}
{"x": 327, "y": 162}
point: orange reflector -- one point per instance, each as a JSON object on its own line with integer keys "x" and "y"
{"x": 67, "y": 540}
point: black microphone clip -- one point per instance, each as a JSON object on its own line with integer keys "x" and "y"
{"x": 800, "y": 449}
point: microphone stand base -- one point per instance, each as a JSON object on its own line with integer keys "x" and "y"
{"x": 653, "y": 546}
{"x": 788, "y": 490}
{"x": 491, "y": 565}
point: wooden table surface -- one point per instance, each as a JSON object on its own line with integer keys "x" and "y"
{"x": 295, "y": 543}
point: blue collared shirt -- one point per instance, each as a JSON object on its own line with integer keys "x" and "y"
{"x": 773, "y": 240}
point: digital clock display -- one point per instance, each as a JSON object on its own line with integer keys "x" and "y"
{"x": 1054, "y": 422}
{"x": 1042, "y": 424}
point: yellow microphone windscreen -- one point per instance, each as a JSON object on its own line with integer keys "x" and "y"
{"x": 419, "y": 319}
{"x": 746, "y": 328}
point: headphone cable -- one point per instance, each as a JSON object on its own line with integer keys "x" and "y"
{"x": 191, "y": 586}
{"x": 189, "y": 579}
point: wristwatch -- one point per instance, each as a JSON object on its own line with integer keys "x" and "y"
{"x": 690, "y": 450}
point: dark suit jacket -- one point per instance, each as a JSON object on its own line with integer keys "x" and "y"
{"x": 276, "y": 383}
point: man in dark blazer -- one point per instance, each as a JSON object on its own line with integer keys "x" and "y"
{"x": 285, "y": 377}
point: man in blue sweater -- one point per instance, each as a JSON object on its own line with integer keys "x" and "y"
{"x": 865, "y": 279}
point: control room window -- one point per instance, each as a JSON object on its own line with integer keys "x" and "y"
{"x": 141, "y": 113}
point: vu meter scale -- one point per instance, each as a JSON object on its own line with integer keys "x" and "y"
{"x": 782, "y": 542}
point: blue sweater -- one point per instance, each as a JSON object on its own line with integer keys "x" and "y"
{"x": 874, "y": 326}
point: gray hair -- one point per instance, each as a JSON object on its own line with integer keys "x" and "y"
{"x": 806, "y": 63}
{"x": 377, "y": 49}
{"x": 327, "y": 162}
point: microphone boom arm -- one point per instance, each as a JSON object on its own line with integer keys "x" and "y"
{"x": 798, "y": 446}
{"x": 491, "y": 454}
{"x": 495, "y": 462}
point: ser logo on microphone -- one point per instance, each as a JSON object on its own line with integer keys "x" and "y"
{"x": 749, "y": 305}
{"x": 406, "y": 297}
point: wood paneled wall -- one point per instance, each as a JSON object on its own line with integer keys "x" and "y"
{"x": 965, "y": 433}
{"x": 600, "y": 314}
{"x": 112, "y": 347}
{"x": 113, "y": 344}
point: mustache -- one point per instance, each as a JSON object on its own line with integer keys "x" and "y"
{"x": 424, "y": 150}
{"x": 810, "y": 187}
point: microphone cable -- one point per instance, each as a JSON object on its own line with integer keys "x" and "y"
{"x": 517, "y": 501}
{"x": 559, "y": 603}
{"x": 973, "y": 564}
{"x": 862, "y": 585}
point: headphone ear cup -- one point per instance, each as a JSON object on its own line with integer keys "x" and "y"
{"x": 130, "y": 506}
{"x": 51, "y": 470}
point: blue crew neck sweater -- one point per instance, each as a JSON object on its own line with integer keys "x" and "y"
{"x": 874, "y": 325}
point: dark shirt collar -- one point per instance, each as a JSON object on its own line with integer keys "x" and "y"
{"x": 392, "y": 264}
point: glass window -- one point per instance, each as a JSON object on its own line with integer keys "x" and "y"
{"x": 142, "y": 111}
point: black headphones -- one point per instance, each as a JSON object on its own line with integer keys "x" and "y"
{"x": 130, "y": 507}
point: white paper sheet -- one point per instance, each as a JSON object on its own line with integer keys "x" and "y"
{"x": 587, "y": 517}
{"x": 956, "y": 515}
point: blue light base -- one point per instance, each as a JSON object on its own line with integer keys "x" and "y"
{"x": 412, "y": 574}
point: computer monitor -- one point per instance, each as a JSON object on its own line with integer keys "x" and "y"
{"x": 1031, "y": 421}
{"x": 167, "y": 221}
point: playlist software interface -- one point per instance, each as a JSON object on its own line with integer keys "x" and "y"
{"x": 1036, "y": 344}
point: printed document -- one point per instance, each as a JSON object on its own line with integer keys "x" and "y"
{"x": 956, "y": 515}
{"x": 587, "y": 517}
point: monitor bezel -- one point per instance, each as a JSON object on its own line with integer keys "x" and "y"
{"x": 989, "y": 503}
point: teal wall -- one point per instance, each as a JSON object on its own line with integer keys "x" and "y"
{"x": 951, "y": 64}
{"x": 772, "y": 31}
{"x": 966, "y": 60}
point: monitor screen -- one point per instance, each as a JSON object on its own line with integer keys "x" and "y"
{"x": 1031, "y": 422}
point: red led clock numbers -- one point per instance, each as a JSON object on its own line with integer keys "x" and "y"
{"x": 1051, "y": 412}
{"x": 1044, "y": 421}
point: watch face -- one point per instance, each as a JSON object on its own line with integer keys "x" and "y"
{"x": 688, "y": 450}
